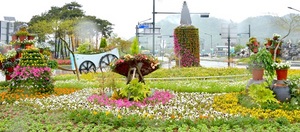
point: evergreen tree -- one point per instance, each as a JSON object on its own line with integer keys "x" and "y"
{"x": 135, "y": 46}
{"x": 103, "y": 43}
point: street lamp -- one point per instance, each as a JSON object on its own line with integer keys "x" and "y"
{"x": 293, "y": 9}
{"x": 153, "y": 30}
{"x": 210, "y": 43}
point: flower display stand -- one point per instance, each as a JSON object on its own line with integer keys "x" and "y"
{"x": 281, "y": 90}
{"x": 134, "y": 69}
{"x": 252, "y": 81}
{"x": 136, "y": 66}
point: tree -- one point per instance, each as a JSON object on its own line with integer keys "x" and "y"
{"x": 124, "y": 45}
{"x": 135, "y": 46}
{"x": 63, "y": 21}
{"x": 290, "y": 22}
{"x": 42, "y": 29}
{"x": 238, "y": 48}
{"x": 103, "y": 43}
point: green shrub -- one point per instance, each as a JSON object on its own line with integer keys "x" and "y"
{"x": 134, "y": 47}
{"x": 84, "y": 48}
{"x": 135, "y": 90}
{"x": 52, "y": 64}
{"x": 103, "y": 43}
{"x": 260, "y": 94}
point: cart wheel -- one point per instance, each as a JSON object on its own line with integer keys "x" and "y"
{"x": 86, "y": 67}
{"x": 105, "y": 61}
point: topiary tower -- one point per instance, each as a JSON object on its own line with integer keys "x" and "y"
{"x": 32, "y": 74}
{"x": 186, "y": 41}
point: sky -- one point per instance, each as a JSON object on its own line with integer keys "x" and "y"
{"x": 125, "y": 14}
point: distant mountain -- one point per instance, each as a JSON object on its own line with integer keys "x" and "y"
{"x": 261, "y": 27}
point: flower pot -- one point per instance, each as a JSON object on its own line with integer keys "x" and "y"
{"x": 28, "y": 46}
{"x": 269, "y": 43}
{"x": 255, "y": 50}
{"x": 12, "y": 59}
{"x": 10, "y": 69}
{"x": 257, "y": 74}
{"x": 17, "y": 46}
{"x": 30, "y": 37}
{"x": 22, "y": 38}
{"x": 7, "y": 77}
{"x": 14, "y": 37}
{"x": 273, "y": 50}
{"x": 19, "y": 55}
{"x": 282, "y": 74}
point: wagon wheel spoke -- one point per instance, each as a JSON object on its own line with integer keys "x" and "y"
{"x": 105, "y": 61}
{"x": 86, "y": 67}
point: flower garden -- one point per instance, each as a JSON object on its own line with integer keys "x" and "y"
{"x": 203, "y": 102}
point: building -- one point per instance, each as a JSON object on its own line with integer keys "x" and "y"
{"x": 8, "y": 27}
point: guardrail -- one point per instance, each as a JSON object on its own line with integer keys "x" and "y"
{"x": 197, "y": 78}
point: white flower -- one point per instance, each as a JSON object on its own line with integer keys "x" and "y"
{"x": 282, "y": 65}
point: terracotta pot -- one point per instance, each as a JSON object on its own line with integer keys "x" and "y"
{"x": 14, "y": 37}
{"x": 10, "y": 69}
{"x": 30, "y": 37}
{"x": 257, "y": 74}
{"x": 19, "y": 55}
{"x": 7, "y": 77}
{"x": 22, "y": 38}
{"x": 269, "y": 43}
{"x": 273, "y": 50}
{"x": 16, "y": 46}
{"x": 282, "y": 74}
{"x": 28, "y": 46}
{"x": 12, "y": 59}
{"x": 255, "y": 50}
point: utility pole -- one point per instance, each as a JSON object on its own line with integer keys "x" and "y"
{"x": 228, "y": 39}
{"x": 153, "y": 31}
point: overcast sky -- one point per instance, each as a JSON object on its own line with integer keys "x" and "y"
{"x": 125, "y": 14}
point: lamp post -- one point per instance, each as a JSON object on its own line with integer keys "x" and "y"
{"x": 210, "y": 43}
{"x": 153, "y": 31}
{"x": 293, "y": 9}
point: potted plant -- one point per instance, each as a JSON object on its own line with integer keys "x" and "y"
{"x": 28, "y": 43}
{"x": 2, "y": 59}
{"x": 8, "y": 68}
{"x": 22, "y": 34}
{"x": 260, "y": 62}
{"x": 31, "y": 36}
{"x": 11, "y": 54}
{"x": 271, "y": 44}
{"x": 281, "y": 69}
{"x": 253, "y": 44}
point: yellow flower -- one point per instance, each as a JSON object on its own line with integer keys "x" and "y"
{"x": 119, "y": 116}
{"x": 95, "y": 112}
{"x": 107, "y": 112}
